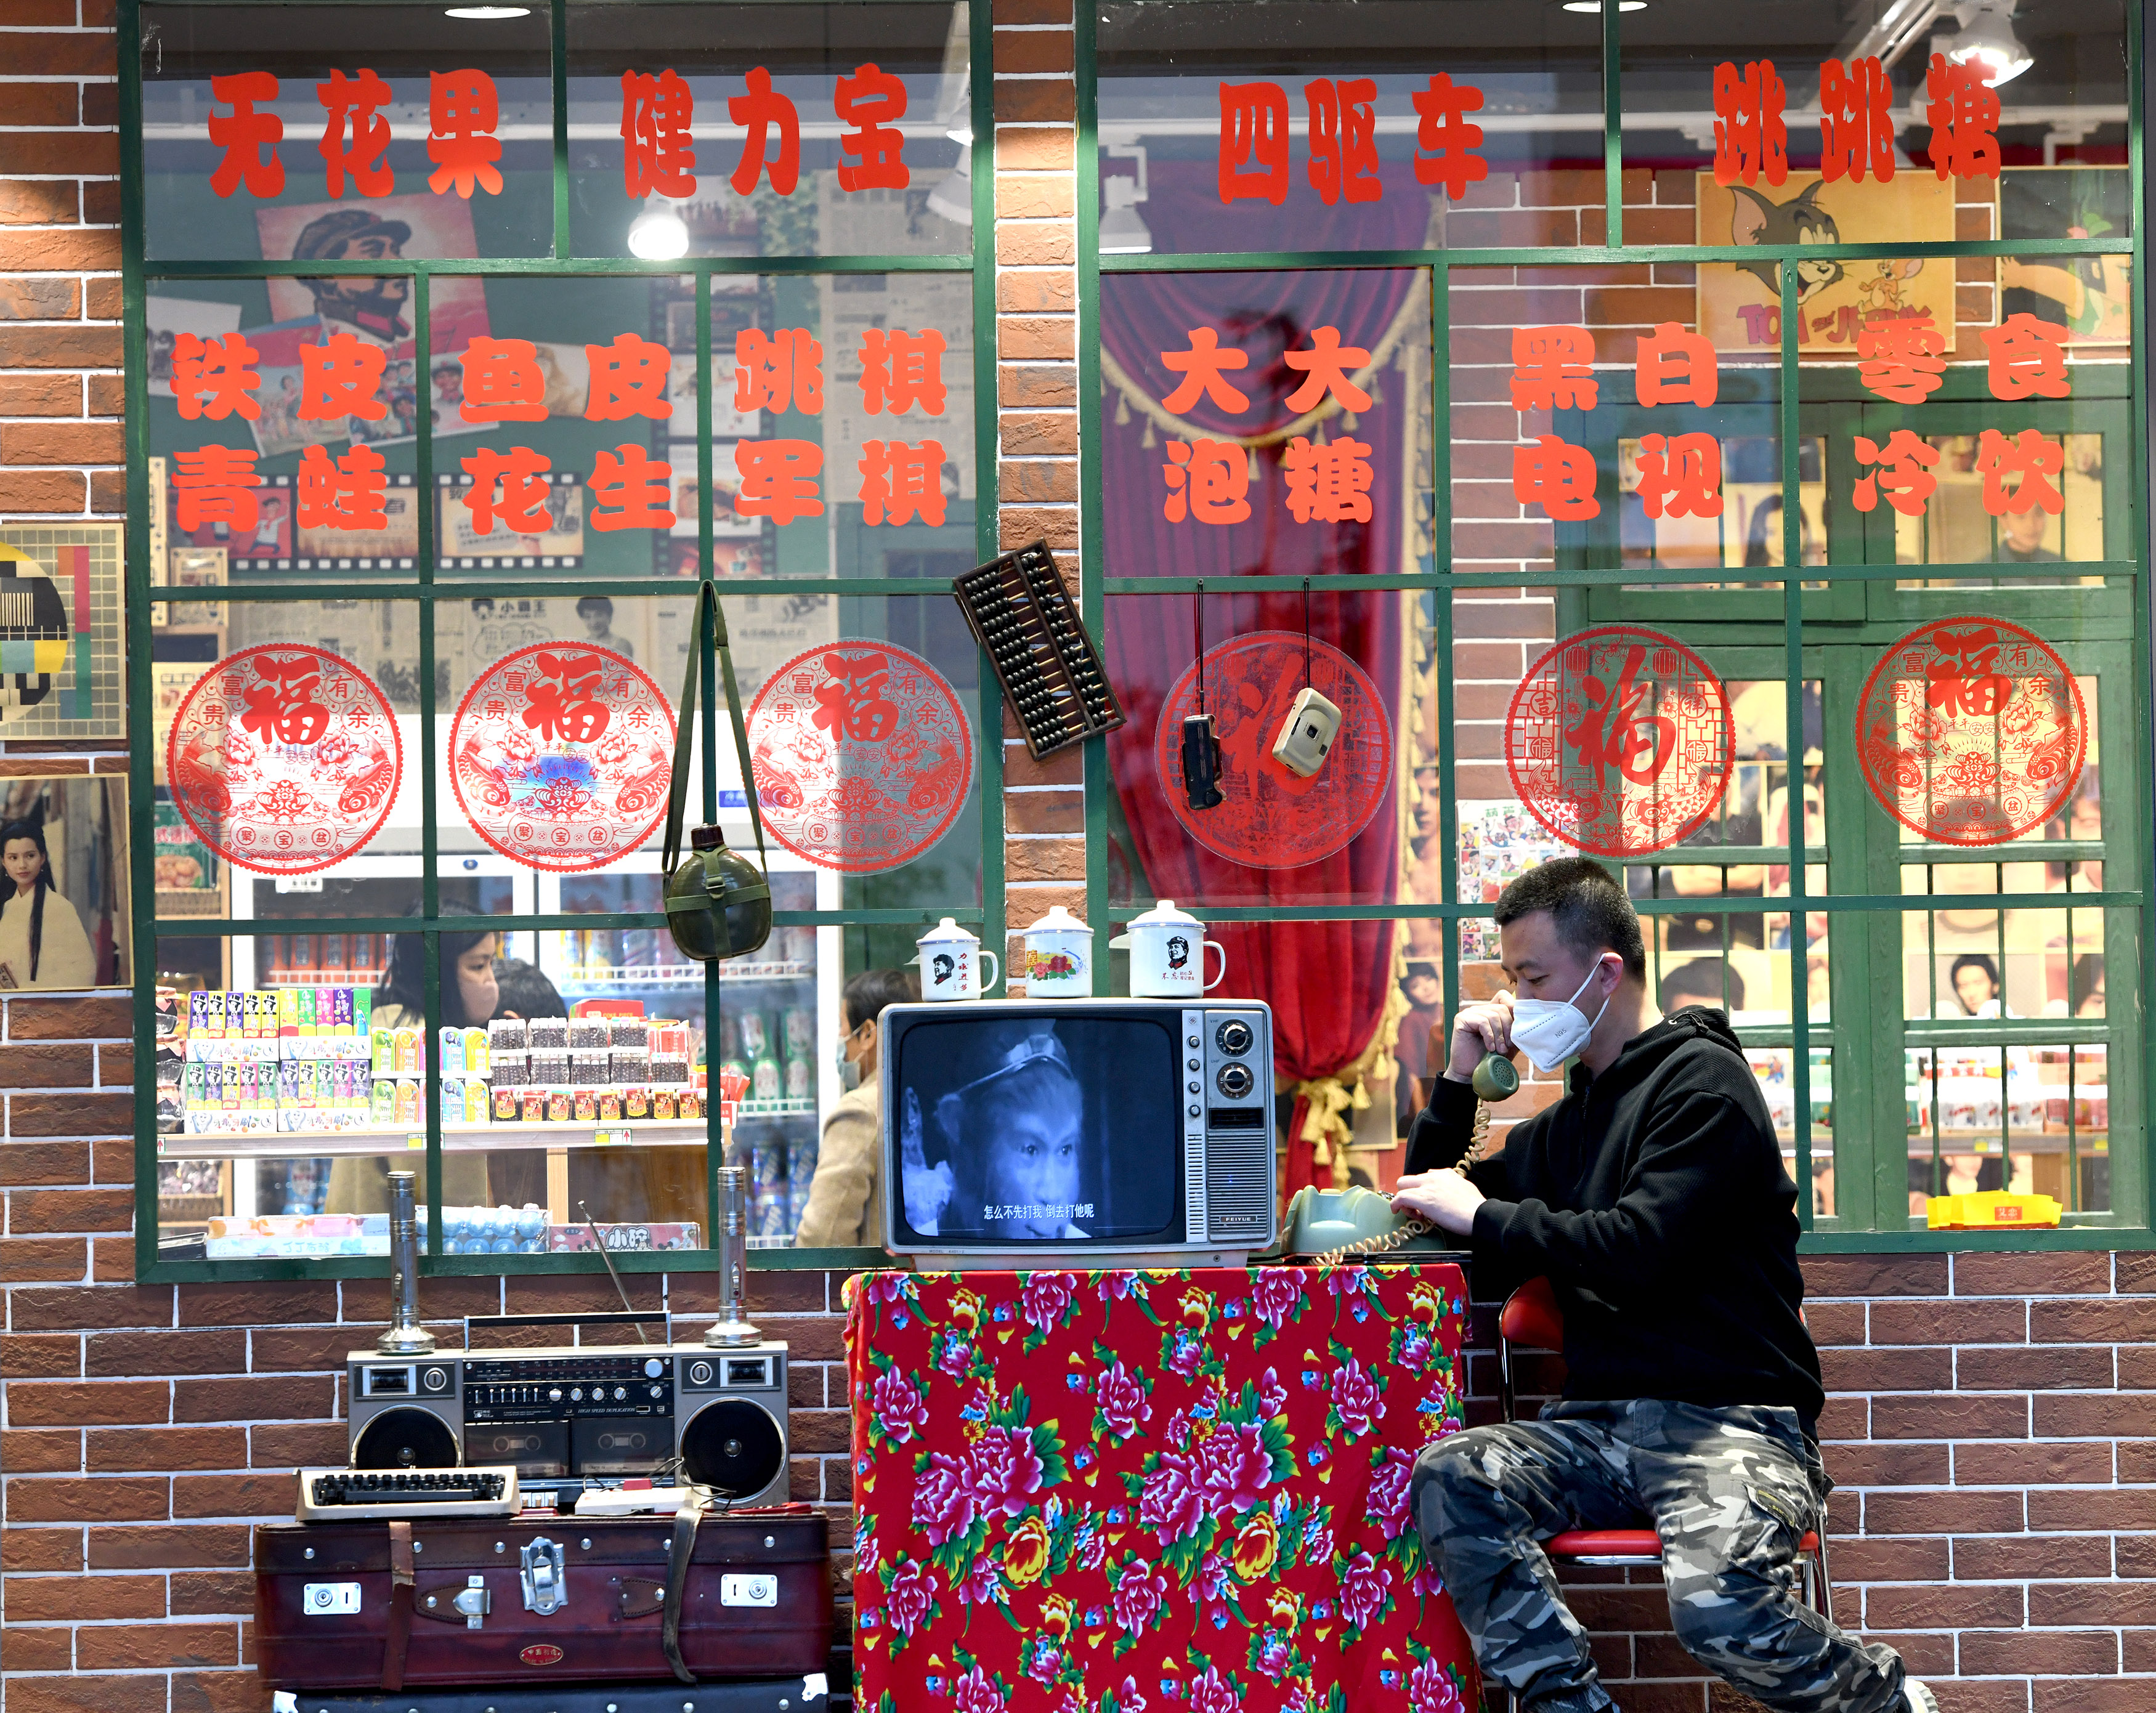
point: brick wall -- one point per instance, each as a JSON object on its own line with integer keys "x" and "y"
{"x": 1036, "y": 104}
{"x": 1991, "y": 1421}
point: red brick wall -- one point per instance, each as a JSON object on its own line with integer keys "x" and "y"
{"x": 1991, "y": 1423}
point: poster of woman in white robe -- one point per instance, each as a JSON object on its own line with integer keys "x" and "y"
{"x": 63, "y": 893}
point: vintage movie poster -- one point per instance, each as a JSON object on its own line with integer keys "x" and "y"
{"x": 1740, "y": 302}
{"x": 164, "y": 319}
{"x": 62, "y": 653}
{"x": 376, "y": 307}
{"x": 64, "y": 898}
{"x": 2090, "y": 296}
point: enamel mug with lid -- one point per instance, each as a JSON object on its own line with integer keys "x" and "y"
{"x": 1167, "y": 949}
{"x": 1059, "y": 957}
{"x": 951, "y": 960}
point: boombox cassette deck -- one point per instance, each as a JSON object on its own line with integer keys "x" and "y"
{"x": 569, "y": 1417}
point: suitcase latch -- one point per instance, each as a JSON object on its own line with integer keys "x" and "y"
{"x": 543, "y": 1562}
{"x": 474, "y": 1603}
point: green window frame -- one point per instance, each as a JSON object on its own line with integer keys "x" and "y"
{"x": 1837, "y": 615}
{"x": 428, "y": 586}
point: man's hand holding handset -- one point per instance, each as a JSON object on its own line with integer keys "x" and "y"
{"x": 1445, "y": 1198}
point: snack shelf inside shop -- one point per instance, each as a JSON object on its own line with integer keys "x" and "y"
{"x": 254, "y": 1109}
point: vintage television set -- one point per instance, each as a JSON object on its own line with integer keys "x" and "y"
{"x": 1044, "y": 1133}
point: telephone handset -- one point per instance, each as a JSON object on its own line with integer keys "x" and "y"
{"x": 1339, "y": 1225}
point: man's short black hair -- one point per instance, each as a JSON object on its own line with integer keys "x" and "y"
{"x": 868, "y": 991}
{"x": 1590, "y": 908}
{"x": 1699, "y": 982}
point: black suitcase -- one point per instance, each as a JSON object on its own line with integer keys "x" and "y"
{"x": 783, "y": 1694}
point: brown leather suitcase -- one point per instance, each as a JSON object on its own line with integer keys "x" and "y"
{"x": 386, "y": 1605}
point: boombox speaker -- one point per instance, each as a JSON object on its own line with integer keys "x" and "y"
{"x": 580, "y": 1413}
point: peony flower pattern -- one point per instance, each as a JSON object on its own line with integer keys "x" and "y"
{"x": 1082, "y": 1492}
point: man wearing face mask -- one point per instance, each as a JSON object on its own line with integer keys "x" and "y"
{"x": 1654, "y": 1199}
{"x": 844, "y": 1210}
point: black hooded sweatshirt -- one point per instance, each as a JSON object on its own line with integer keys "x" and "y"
{"x": 1654, "y": 1199}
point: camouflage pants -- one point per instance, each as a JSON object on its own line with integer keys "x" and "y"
{"x": 1731, "y": 1491}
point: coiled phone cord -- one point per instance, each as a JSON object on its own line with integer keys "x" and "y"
{"x": 1412, "y": 1226}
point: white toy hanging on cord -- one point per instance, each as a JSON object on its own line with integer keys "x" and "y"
{"x": 1306, "y": 739}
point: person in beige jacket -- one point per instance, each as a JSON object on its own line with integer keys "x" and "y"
{"x": 845, "y": 1209}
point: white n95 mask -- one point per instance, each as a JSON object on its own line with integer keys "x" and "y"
{"x": 1551, "y": 1031}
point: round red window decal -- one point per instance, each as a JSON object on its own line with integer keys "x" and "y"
{"x": 1272, "y": 818}
{"x": 863, "y": 756}
{"x": 561, "y": 754}
{"x": 1617, "y": 741}
{"x": 284, "y": 758}
{"x": 1972, "y": 731}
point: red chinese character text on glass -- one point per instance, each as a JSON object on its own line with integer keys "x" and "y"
{"x": 1253, "y": 143}
{"x": 1557, "y": 476}
{"x": 1343, "y": 139}
{"x": 356, "y": 103}
{"x": 1618, "y": 740}
{"x": 248, "y": 139}
{"x": 1445, "y": 142}
{"x": 1207, "y": 479}
{"x": 463, "y": 113}
{"x": 1201, "y": 367}
{"x": 1751, "y": 137}
{"x": 1972, "y": 731}
{"x": 761, "y": 111}
{"x": 658, "y": 149}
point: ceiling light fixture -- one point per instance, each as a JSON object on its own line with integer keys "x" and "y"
{"x": 1123, "y": 232}
{"x": 659, "y": 234}
{"x": 487, "y": 14}
{"x": 1987, "y": 34}
{"x": 1595, "y": 6}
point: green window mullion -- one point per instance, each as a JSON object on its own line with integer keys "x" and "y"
{"x": 1792, "y": 744}
{"x": 141, "y": 811}
{"x": 1440, "y": 542}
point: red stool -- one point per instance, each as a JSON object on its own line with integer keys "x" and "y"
{"x": 1532, "y": 1319}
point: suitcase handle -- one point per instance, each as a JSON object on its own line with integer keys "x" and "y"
{"x": 610, "y": 1317}
{"x": 678, "y": 1560}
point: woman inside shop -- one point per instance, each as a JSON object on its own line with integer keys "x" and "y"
{"x": 42, "y": 943}
{"x": 361, "y": 1185}
{"x": 845, "y": 1207}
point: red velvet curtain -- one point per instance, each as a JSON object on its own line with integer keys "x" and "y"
{"x": 1326, "y": 981}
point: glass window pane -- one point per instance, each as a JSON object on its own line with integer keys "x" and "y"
{"x": 772, "y": 130}
{"x": 1556, "y": 459}
{"x": 2057, "y": 74}
{"x": 1313, "y": 125}
{"x": 263, "y": 138}
{"x": 1273, "y": 837}
{"x": 1272, "y": 422}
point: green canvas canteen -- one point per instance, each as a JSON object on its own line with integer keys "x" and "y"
{"x": 718, "y": 905}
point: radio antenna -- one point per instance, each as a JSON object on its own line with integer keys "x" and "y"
{"x": 620, "y": 1290}
{"x": 1306, "y": 637}
{"x": 1198, "y": 612}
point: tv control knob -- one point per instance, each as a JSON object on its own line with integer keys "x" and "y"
{"x": 1192, "y": 1065}
{"x": 1235, "y": 1080}
{"x": 1193, "y": 1087}
{"x": 1193, "y": 1109}
{"x": 700, "y": 1373}
{"x": 1234, "y": 1037}
{"x": 554, "y": 1394}
{"x": 652, "y": 1368}
{"x": 1190, "y": 1041}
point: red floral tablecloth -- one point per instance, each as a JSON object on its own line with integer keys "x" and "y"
{"x": 1182, "y": 1490}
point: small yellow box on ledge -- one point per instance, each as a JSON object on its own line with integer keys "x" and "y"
{"x": 1988, "y": 1210}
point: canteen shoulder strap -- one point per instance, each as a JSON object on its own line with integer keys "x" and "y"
{"x": 677, "y": 795}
